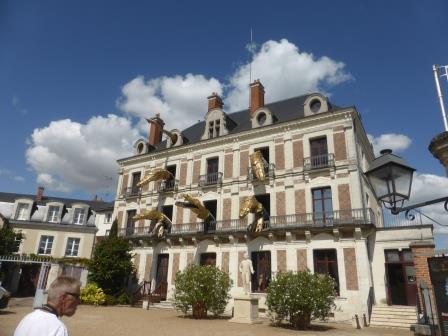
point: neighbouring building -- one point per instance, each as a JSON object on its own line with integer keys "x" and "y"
{"x": 52, "y": 227}
{"x": 319, "y": 212}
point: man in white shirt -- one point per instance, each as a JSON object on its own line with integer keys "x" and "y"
{"x": 63, "y": 299}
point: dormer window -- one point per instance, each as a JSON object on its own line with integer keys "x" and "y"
{"x": 216, "y": 122}
{"x": 314, "y": 104}
{"x": 78, "y": 216}
{"x": 53, "y": 213}
{"x": 262, "y": 117}
{"x": 22, "y": 212}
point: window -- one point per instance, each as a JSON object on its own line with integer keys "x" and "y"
{"x": 170, "y": 183}
{"x": 319, "y": 152}
{"x": 326, "y": 262}
{"x": 136, "y": 179}
{"x": 45, "y": 245}
{"x": 210, "y": 222}
{"x": 208, "y": 259}
{"x": 261, "y": 278}
{"x": 130, "y": 222}
{"x": 78, "y": 216}
{"x": 212, "y": 170}
{"x": 53, "y": 213}
{"x": 322, "y": 205}
{"x": 108, "y": 217}
{"x": 214, "y": 128}
{"x": 167, "y": 210}
{"x": 72, "y": 247}
{"x": 22, "y": 211}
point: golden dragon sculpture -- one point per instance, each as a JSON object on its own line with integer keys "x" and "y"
{"x": 156, "y": 174}
{"x": 195, "y": 206}
{"x": 251, "y": 205}
{"x": 163, "y": 223}
{"x": 257, "y": 163}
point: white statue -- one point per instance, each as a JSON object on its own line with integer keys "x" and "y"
{"x": 246, "y": 270}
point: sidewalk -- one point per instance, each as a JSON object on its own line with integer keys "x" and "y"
{"x": 115, "y": 321}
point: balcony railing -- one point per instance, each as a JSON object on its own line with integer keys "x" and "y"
{"x": 169, "y": 185}
{"x": 269, "y": 171}
{"x": 210, "y": 179}
{"x": 318, "y": 161}
{"x": 287, "y": 222}
{"x": 132, "y": 191}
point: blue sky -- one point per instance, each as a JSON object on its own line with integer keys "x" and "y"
{"x": 77, "y": 76}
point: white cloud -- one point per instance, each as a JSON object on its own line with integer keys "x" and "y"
{"x": 181, "y": 100}
{"x": 8, "y": 174}
{"x": 285, "y": 72}
{"x": 68, "y": 156}
{"x": 395, "y": 142}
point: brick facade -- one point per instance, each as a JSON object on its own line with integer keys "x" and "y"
{"x": 351, "y": 271}
{"x": 176, "y": 257}
{"x": 302, "y": 264}
{"x": 244, "y": 162}
{"x": 225, "y": 262}
{"x": 196, "y": 170}
{"x": 297, "y": 153}
{"x": 344, "y": 197}
{"x": 340, "y": 151}
{"x": 280, "y": 156}
{"x": 281, "y": 260}
{"x": 183, "y": 174}
{"x": 148, "y": 267}
{"x": 300, "y": 204}
{"x": 124, "y": 184}
{"x": 421, "y": 251}
{"x": 281, "y": 203}
{"x": 228, "y": 164}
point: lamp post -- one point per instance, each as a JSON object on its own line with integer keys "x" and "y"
{"x": 391, "y": 180}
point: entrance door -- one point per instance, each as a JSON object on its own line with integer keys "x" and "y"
{"x": 210, "y": 222}
{"x": 162, "y": 276}
{"x": 400, "y": 273}
{"x": 261, "y": 278}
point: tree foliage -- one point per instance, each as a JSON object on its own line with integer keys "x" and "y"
{"x": 299, "y": 296}
{"x": 111, "y": 265}
{"x": 9, "y": 239}
{"x": 202, "y": 289}
{"x": 114, "y": 229}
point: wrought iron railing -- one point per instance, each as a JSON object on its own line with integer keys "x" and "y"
{"x": 269, "y": 171}
{"x": 295, "y": 221}
{"x": 169, "y": 185}
{"x": 132, "y": 191}
{"x": 318, "y": 161}
{"x": 210, "y": 179}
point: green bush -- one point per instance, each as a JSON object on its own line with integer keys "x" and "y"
{"x": 202, "y": 289}
{"x": 297, "y": 297}
{"x": 111, "y": 300}
{"x": 93, "y": 295}
{"x": 123, "y": 299}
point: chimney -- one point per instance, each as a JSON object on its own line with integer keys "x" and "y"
{"x": 40, "y": 193}
{"x": 256, "y": 96}
{"x": 214, "y": 101}
{"x": 155, "y": 130}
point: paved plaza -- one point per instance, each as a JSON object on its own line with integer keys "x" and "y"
{"x": 117, "y": 321}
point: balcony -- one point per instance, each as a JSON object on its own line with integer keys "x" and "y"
{"x": 318, "y": 161}
{"x": 169, "y": 185}
{"x": 351, "y": 217}
{"x": 269, "y": 171}
{"x": 210, "y": 179}
{"x": 132, "y": 191}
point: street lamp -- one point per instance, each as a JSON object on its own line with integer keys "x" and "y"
{"x": 391, "y": 180}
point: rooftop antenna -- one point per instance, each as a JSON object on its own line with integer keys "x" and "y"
{"x": 437, "y": 75}
{"x": 251, "y": 47}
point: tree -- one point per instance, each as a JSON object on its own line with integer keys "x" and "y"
{"x": 114, "y": 229}
{"x": 296, "y": 297}
{"x": 9, "y": 239}
{"x": 111, "y": 265}
{"x": 202, "y": 289}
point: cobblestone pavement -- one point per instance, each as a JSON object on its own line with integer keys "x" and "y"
{"x": 115, "y": 321}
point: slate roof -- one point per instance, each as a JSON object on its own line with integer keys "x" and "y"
{"x": 94, "y": 205}
{"x": 283, "y": 111}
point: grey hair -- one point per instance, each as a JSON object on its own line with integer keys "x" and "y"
{"x": 62, "y": 285}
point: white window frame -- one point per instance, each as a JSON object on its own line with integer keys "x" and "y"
{"x": 48, "y": 240}
{"x": 106, "y": 219}
{"x": 22, "y": 211}
{"x": 76, "y": 218}
{"x": 53, "y": 216}
{"x": 72, "y": 246}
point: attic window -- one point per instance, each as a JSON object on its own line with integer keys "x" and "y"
{"x": 261, "y": 118}
{"x": 214, "y": 128}
{"x": 140, "y": 148}
{"x": 315, "y": 105}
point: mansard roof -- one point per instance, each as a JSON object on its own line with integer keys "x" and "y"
{"x": 283, "y": 111}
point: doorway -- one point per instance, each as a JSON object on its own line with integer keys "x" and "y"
{"x": 400, "y": 275}
{"x": 210, "y": 221}
{"x": 162, "y": 276}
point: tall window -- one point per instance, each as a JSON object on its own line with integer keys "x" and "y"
{"x": 326, "y": 262}
{"x": 208, "y": 259}
{"x": 108, "y": 217}
{"x": 45, "y": 245}
{"x": 72, "y": 247}
{"x": 212, "y": 170}
{"x": 130, "y": 222}
{"x": 322, "y": 205}
{"x": 78, "y": 216}
{"x": 169, "y": 183}
{"x": 319, "y": 152}
{"x": 22, "y": 211}
{"x": 264, "y": 153}
{"x": 214, "y": 128}
{"x": 261, "y": 278}
{"x": 53, "y": 213}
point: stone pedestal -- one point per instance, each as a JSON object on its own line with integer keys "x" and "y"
{"x": 245, "y": 310}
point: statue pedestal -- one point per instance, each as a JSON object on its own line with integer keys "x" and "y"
{"x": 245, "y": 310}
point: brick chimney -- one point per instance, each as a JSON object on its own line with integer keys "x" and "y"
{"x": 256, "y": 96}
{"x": 40, "y": 193}
{"x": 214, "y": 101}
{"x": 155, "y": 130}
